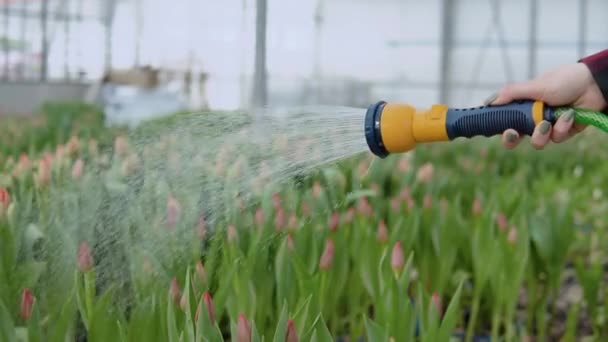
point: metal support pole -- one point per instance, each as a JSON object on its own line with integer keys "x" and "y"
{"x": 532, "y": 43}
{"x": 66, "y": 50}
{"x": 45, "y": 41}
{"x": 582, "y": 28}
{"x": 22, "y": 36}
{"x": 447, "y": 43}
{"x": 260, "y": 92}
{"x": 5, "y": 40}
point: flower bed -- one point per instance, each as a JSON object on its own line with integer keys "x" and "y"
{"x": 465, "y": 239}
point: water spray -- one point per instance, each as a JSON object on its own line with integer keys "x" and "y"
{"x": 398, "y": 127}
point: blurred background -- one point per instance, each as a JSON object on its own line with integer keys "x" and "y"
{"x": 144, "y": 57}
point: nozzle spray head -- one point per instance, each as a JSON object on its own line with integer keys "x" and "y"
{"x": 373, "y": 135}
{"x": 388, "y": 128}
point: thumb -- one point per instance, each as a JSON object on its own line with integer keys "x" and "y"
{"x": 528, "y": 90}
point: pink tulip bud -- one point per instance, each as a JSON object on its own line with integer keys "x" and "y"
{"x": 305, "y": 208}
{"x": 243, "y": 329}
{"x": 316, "y": 189}
{"x": 428, "y": 201}
{"x": 27, "y": 303}
{"x": 206, "y": 301}
{"x": 290, "y": 243}
{"x": 410, "y": 203}
{"x": 43, "y": 177}
{"x": 5, "y": 201}
{"x": 279, "y": 220}
{"x": 85, "y": 259}
{"x": 334, "y": 221}
{"x": 405, "y": 193}
{"x": 327, "y": 258}
{"x": 24, "y": 163}
{"x": 175, "y": 292}
{"x": 77, "y": 169}
{"x": 404, "y": 165}
{"x": 395, "y": 204}
{"x": 375, "y": 188}
{"x": 291, "y": 335}
{"x": 382, "y": 234}
{"x": 59, "y": 152}
{"x": 201, "y": 228}
{"x": 120, "y": 146}
{"x": 501, "y": 221}
{"x": 293, "y": 222}
{"x": 231, "y": 233}
{"x": 259, "y": 217}
{"x": 397, "y": 258}
{"x": 364, "y": 208}
{"x": 512, "y": 236}
{"x": 436, "y": 300}
{"x": 425, "y": 173}
{"x": 173, "y": 212}
{"x": 349, "y": 216}
{"x": 200, "y": 271}
{"x": 276, "y": 199}
{"x": 73, "y": 145}
{"x": 476, "y": 207}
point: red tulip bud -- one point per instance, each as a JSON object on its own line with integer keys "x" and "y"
{"x": 173, "y": 212}
{"x": 5, "y": 201}
{"x": 85, "y": 260}
{"x": 27, "y": 303}
{"x": 290, "y": 243}
{"x": 175, "y": 292}
{"x": 363, "y": 207}
{"x": 382, "y": 234}
{"x": 501, "y": 221}
{"x": 77, "y": 169}
{"x": 291, "y": 335}
{"x": 334, "y": 221}
{"x": 243, "y": 329}
{"x": 276, "y": 199}
{"x": 437, "y": 302}
{"x": 327, "y": 258}
{"x": 207, "y": 301}
{"x": 397, "y": 258}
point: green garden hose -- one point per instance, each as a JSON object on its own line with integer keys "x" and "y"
{"x": 586, "y": 117}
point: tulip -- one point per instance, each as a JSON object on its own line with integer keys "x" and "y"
{"x": 279, "y": 220}
{"x": 207, "y": 301}
{"x": 512, "y": 235}
{"x": 259, "y": 217}
{"x": 395, "y": 204}
{"x": 349, "y": 216}
{"x": 404, "y": 165}
{"x": 59, "y": 152}
{"x": 327, "y": 258}
{"x": 231, "y": 233}
{"x": 73, "y": 145}
{"x": 382, "y": 234}
{"x": 5, "y": 201}
{"x": 175, "y": 292}
{"x": 43, "y": 177}
{"x": 501, "y": 221}
{"x": 436, "y": 300}
{"x": 305, "y": 208}
{"x": 276, "y": 199}
{"x": 293, "y": 221}
{"x": 85, "y": 259}
{"x": 405, "y": 193}
{"x": 200, "y": 271}
{"x": 425, "y": 173}
{"x": 27, "y": 303}
{"x": 201, "y": 228}
{"x": 397, "y": 258}
{"x": 316, "y": 189}
{"x": 77, "y": 169}
{"x": 334, "y": 221}
{"x": 173, "y": 212}
{"x": 290, "y": 335}
{"x": 427, "y": 201}
{"x": 363, "y": 207}
{"x": 290, "y": 243}
{"x": 476, "y": 207}
{"x": 243, "y": 329}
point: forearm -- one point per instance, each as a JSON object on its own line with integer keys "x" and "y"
{"x": 598, "y": 65}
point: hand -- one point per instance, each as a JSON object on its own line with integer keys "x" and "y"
{"x": 569, "y": 85}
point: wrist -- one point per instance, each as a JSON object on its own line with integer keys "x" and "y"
{"x": 598, "y": 66}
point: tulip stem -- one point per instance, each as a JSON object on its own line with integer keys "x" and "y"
{"x": 473, "y": 318}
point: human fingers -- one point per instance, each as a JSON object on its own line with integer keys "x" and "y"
{"x": 531, "y": 90}
{"x": 541, "y": 135}
{"x": 510, "y": 138}
{"x": 562, "y": 128}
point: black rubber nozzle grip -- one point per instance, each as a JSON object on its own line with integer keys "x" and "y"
{"x": 494, "y": 120}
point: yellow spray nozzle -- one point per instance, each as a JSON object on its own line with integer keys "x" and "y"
{"x": 397, "y": 128}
